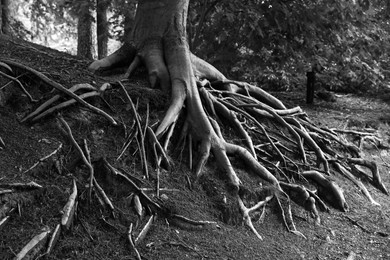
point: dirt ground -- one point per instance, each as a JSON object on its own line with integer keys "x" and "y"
{"x": 361, "y": 233}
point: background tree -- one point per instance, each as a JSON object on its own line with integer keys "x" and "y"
{"x": 84, "y": 29}
{"x": 102, "y": 27}
{"x": 5, "y": 17}
{"x": 283, "y": 153}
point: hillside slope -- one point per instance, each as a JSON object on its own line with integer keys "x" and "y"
{"x": 96, "y": 234}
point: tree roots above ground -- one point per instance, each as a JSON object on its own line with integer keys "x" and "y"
{"x": 234, "y": 123}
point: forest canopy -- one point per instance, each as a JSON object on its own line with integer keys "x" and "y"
{"x": 272, "y": 43}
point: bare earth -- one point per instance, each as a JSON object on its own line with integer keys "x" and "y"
{"x": 361, "y": 233}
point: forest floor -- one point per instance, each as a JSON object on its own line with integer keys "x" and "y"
{"x": 361, "y": 233}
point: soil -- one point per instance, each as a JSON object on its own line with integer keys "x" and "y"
{"x": 361, "y": 233}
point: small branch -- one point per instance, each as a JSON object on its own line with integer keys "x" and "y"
{"x": 142, "y": 143}
{"x": 246, "y": 211}
{"x": 163, "y": 156}
{"x": 375, "y": 172}
{"x": 55, "y": 98}
{"x": 65, "y": 104}
{"x": 86, "y": 160}
{"x": 4, "y": 221}
{"x": 134, "y": 186}
{"x": 355, "y": 222}
{"x": 346, "y": 131}
{"x": 320, "y": 155}
{"x": 131, "y": 241}
{"x": 43, "y": 159}
{"x": 144, "y": 231}
{"x": 21, "y": 186}
{"x": 20, "y": 85}
{"x": 191, "y": 221}
{"x": 2, "y": 144}
{"x": 103, "y": 194}
{"x": 69, "y": 208}
{"x": 358, "y": 183}
{"x": 33, "y": 247}
{"x": 334, "y": 194}
{"x": 61, "y": 88}
{"x": 128, "y": 141}
{"x": 5, "y": 191}
{"x": 53, "y": 239}
{"x": 134, "y": 64}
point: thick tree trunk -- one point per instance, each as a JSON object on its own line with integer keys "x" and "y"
{"x": 84, "y": 31}
{"x": 159, "y": 41}
{"x": 102, "y": 27}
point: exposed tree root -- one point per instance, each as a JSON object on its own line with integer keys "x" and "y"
{"x": 33, "y": 247}
{"x": 230, "y": 121}
{"x": 44, "y": 158}
{"x": 20, "y": 85}
{"x": 60, "y": 88}
{"x": 131, "y": 241}
{"x": 246, "y": 211}
{"x": 21, "y": 186}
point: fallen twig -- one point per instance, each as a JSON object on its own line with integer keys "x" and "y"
{"x": 328, "y": 189}
{"x": 33, "y": 247}
{"x": 4, "y": 221}
{"x": 137, "y": 189}
{"x": 374, "y": 170}
{"x": 144, "y": 231}
{"x": 21, "y": 186}
{"x": 65, "y": 104}
{"x": 53, "y": 239}
{"x": 86, "y": 158}
{"x": 246, "y": 211}
{"x": 60, "y": 88}
{"x": 54, "y": 99}
{"x": 2, "y": 144}
{"x": 20, "y": 85}
{"x": 5, "y": 191}
{"x": 191, "y": 221}
{"x": 43, "y": 159}
{"x": 131, "y": 241}
{"x": 140, "y": 132}
{"x": 69, "y": 208}
{"x": 358, "y": 183}
{"x": 102, "y": 193}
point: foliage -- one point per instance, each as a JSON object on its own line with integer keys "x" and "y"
{"x": 275, "y": 42}
{"x": 270, "y": 42}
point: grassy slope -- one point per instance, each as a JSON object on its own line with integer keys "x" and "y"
{"x": 95, "y": 237}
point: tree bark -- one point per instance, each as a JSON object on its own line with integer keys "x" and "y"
{"x": 159, "y": 41}
{"x": 84, "y": 31}
{"x": 5, "y": 19}
{"x": 129, "y": 14}
{"x": 102, "y": 27}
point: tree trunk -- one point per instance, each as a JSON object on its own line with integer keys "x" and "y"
{"x": 129, "y": 14}
{"x": 5, "y": 19}
{"x": 102, "y": 27}
{"x": 84, "y": 31}
{"x": 159, "y": 41}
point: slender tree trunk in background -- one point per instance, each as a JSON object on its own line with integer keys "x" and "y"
{"x": 1, "y": 17}
{"x": 129, "y": 14}
{"x": 5, "y": 25}
{"x": 84, "y": 31}
{"x": 102, "y": 28}
{"x": 388, "y": 8}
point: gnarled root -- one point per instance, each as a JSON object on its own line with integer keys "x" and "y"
{"x": 267, "y": 130}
